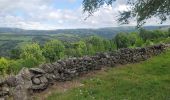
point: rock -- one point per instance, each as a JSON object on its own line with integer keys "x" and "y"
{"x": 36, "y": 70}
{"x": 48, "y": 68}
{"x": 4, "y": 92}
{"x": 56, "y": 66}
{"x": 57, "y": 75}
{"x": 40, "y": 83}
{"x": 43, "y": 79}
{"x": 2, "y": 81}
{"x": 36, "y": 81}
{"x": 21, "y": 91}
{"x": 40, "y": 87}
{"x": 25, "y": 74}
{"x": 11, "y": 81}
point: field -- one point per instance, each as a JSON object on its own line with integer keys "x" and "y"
{"x": 148, "y": 80}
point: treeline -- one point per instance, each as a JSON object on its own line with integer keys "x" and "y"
{"x": 31, "y": 55}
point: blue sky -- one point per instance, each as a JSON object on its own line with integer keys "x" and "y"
{"x": 66, "y": 4}
{"x": 59, "y": 14}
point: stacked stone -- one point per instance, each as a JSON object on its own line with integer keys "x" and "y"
{"x": 38, "y": 79}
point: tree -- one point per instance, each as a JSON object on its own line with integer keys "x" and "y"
{"x": 53, "y": 50}
{"x": 90, "y": 49}
{"x": 140, "y": 9}
{"x": 168, "y": 31}
{"x": 97, "y": 43}
{"x": 80, "y": 48}
{"x": 133, "y": 38}
{"x": 4, "y": 66}
{"x": 109, "y": 45}
{"x": 152, "y": 35}
{"x": 121, "y": 40}
{"x": 31, "y": 54}
{"x": 15, "y": 53}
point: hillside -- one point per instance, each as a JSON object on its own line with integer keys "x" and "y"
{"x": 148, "y": 80}
{"x": 11, "y": 38}
{"x": 107, "y": 32}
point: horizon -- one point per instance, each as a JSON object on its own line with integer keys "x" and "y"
{"x": 159, "y": 25}
{"x": 55, "y": 14}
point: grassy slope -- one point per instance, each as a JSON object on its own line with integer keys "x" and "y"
{"x": 148, "y": 80}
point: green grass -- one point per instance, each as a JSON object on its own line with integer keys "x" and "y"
{"x": 148, "y": 80}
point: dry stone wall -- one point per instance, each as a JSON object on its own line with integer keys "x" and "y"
{"x": 31, "y": 80}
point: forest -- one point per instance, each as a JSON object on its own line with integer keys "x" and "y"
{"x": 32, "y": 54}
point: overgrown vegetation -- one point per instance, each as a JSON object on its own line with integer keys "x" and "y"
{"x": 148, "y": 80}
{"x": 31, "y": 54}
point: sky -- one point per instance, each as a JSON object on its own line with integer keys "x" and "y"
{"x": 59, "y": 14}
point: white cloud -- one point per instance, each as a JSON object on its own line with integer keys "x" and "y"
{"x": 39, "y": 14}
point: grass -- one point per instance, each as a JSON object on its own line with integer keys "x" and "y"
{"x": 148, "y": 80}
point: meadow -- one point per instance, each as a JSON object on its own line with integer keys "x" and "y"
{"x": 148, "y": 80}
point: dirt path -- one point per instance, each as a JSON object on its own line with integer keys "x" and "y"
{"x": 64, "y": 86}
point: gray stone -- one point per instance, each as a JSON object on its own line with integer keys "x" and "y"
{"x": 48, "y": 68}
{"x": 43, "y": 79}
{"x": 4, "y": 91}
{"x": 36, "y": 81}
{"x": 40, "y": 87}
{"x": 36, "y": 70}
{"x": 11, "y": 81}
{"x": 21, "y": 91}
{"x": 2, "y": 81}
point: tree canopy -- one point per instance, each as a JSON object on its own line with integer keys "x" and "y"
{"x": 139, "y": 9}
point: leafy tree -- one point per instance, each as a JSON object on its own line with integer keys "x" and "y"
{"x": 133, "y": 38}
{"x": 31, "y": 55}
{"x": 148, "y": 43}
{"x": 121, "y": 40}
{"x": 90, "y": 49}
{"x": 109, "y": 45}
{"x": 4, "y": 66}
{"x": 97, "y": 43}
{"x": 152, "y": 35}
{"x": 145, "y": 35}
{"x": 80, "y": 48}
{"x": 140, "y": 9}
{"x": 15, "y": 53}
{"x": 53, "y": 50}
{"x": 168, "y": 31}
{"x": 139, "y": 42}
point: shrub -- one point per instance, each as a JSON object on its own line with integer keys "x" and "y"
{"x": 31, "y": 55}
{"x": 4, "y": 66}
{"x": 53, "y": 50}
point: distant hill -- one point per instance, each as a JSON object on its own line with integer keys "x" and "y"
{"x": 11, "y": 38}
{"x": 107, "y": 32}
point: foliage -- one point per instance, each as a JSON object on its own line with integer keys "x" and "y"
{"x": 97, "y": 43}
{"x": 4, "y": 66}
{"x": 15, "y": 53}
{"x": 121, "y": 40}
{"x": 150, "y": 35}
{"x": 137, "y": 9}
{"x": 31, "y": 54}
{"x": 80, "y": 48}
{"x": 53, "y": 50}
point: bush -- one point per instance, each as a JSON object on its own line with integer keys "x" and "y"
{"x": 53, "y": 50}
{"x": 4, "y": 66}
{"x": 31, "y": 55}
